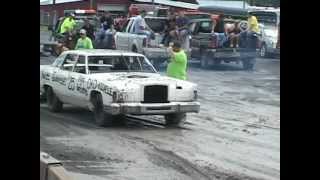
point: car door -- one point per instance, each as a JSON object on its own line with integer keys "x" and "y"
{"x": 134, "y": 39}
{"x": 122, "y": 38}
{"x": 61, "y": 78}
{"x": 77, "y": 92}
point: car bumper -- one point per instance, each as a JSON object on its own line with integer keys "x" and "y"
{"x": 233, "y": 53}
{"x": 152, "y": 108}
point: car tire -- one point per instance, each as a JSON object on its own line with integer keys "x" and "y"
{"x": 217, "y": 62}
{"x": 53, "y": 102}
{"x": 204, "y": 61}
{"x": 101, "y": 118}
{"x": 175, "y": 120}
{"x": 248, "y": 64}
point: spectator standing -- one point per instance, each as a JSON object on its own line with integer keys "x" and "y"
{"x": 84, "y": 42}
{"x": 68, "y": 24}
{"x": 178, "y": 62}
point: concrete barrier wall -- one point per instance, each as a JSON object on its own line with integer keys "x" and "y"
{"x": 52, "y": 169}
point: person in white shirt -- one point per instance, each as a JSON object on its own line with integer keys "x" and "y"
{"x": 140, "y": 26}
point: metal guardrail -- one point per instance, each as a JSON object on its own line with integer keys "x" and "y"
{"x": 52, "y": 169}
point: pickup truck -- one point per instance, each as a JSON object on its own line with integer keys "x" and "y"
{"x": 204, "y": 46}
{"x": 128, "y": 40}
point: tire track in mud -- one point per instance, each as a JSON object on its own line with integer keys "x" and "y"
{"x": 169, "y": 159}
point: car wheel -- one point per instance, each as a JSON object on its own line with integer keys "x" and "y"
{"x": 100, "y": 117}
{"x": 53, "y": 102}
{"x": 176, "y": 119}
{"x": 263, "y": 51}
{"x": 248, "y": 64}
{"x": 217, "y": 62}
{"x": 204, "y": 61}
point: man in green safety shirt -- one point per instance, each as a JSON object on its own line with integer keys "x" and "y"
{"x": 68, "y": 24}
{"x": 178, "y": 62}
{"x": 84, "y": 42}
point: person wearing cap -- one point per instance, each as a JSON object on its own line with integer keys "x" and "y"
{"x": 84, "y": 42}
{"x": 177, "y": 66}
{"x": 68, "y": 24}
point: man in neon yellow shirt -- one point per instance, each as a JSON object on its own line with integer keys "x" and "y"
{"x": 253, "y": 25}
{"x": 178, "y": 63}
{"x": 84, "y": 42}
{"x": 68, "y": 24}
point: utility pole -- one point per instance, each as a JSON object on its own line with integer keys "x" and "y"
{"x": 53, "y": 2}
{"x": 244, "y": 4}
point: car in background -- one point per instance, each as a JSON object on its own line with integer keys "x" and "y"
{"x": 270, "y": 18}
{"x": 113, "y": 83}
{"x": 210, "y": 51}
{"x": 270, "y": 41}
{"x": 129, "y": 41}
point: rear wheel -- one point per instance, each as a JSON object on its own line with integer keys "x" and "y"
{"x": 204, "y": 61}
{"x": 53, "y": 102}
{"x": 176, "y": 119}
{"x": 248, "y": 64}
{"x": 217, "y": 62}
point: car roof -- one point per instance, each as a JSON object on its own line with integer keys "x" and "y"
{"x": 102, "y": 52}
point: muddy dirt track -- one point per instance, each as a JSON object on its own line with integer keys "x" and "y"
{"x": 236, "y": 135}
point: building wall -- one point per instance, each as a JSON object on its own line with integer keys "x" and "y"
{"x": 59, "y": 8}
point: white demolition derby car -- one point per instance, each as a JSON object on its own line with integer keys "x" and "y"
{"x": 111, "y": 83}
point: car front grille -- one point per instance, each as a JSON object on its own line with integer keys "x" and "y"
{"x": 156, "y": 94}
